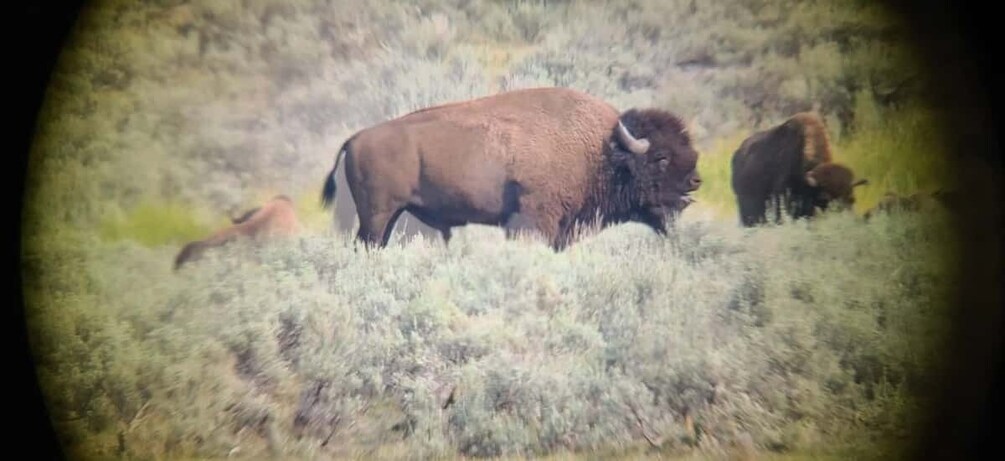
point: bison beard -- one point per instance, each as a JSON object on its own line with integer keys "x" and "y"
{"x": 789, "y": 166}
{"x": 547, "y": 159}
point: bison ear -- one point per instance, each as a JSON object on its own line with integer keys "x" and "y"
{"x": 625, "y": 162}
{"x": 811, "y": 180}
{"x": 860, "y": 182}
{"x": 636, "y": 146}
{"x": 619, "y": 155}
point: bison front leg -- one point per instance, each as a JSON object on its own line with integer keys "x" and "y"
{"x": 518, "y": 224}
{"x": 560, "y": 236}
{"x": 563, "y": 240}
{"x": 527, "y": 223}
{"x": 752, "y": 210}
{"x": 776, "y": 202}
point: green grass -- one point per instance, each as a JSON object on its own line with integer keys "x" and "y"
{"x": 716, "y": 192}
{"x": 153, "y": 224}
{"x": 904, "y": 152}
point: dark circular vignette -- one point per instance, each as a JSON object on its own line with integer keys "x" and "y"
{"x": 41, "y": 30}
{"x": 956, "y": 44}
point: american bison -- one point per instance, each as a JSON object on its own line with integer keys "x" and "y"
{"x": 544, "y": 159}
{"x": 789, "y": 165}
{"x": 916, "y": 202}
{"x": 275, "y": 218}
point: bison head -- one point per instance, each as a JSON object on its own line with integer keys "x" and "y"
{"x": 832, "y": 182}
{"x": 653, "y": 151}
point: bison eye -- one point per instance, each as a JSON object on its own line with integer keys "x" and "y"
{"x": 664, "y": 162}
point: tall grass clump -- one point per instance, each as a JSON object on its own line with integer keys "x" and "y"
{"x": 900, "y": 151}
{"x": 154, "y": 224}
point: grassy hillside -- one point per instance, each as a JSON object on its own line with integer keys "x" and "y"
{"x": 166, "y": 117}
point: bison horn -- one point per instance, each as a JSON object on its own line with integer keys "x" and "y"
{"x": 637, "y": 146}
{"x": 860, "y": 182}
{"x": 811, "y": 180}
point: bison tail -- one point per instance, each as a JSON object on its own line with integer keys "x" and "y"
{"x": 328, "y": 193}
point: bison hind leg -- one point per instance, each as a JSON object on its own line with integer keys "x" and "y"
{"x": 375, "y": 229}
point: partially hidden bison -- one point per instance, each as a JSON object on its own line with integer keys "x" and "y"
{"x": 541, "y": 159}
{"x": 916, "y": 202}
{"x": 789, "y": 166}
{"x": 275, "y": 218}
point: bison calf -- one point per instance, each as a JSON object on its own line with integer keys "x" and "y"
{"x": 546, "y": 159}
{"x": 917, "y": 202}
{"x": 275, "y": 218}
{"x": 789, "y": 166}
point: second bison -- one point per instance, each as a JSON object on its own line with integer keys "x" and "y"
{"x": 276, "y": 218}
{"x": 916, "y": 202}
{"x": 543, "y": 159}
{"x": 789, "y": 166}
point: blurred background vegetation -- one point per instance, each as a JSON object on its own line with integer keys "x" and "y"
{"x": 166, "y": 116}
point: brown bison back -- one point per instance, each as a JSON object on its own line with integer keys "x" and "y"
{"x": 519, "y": 124}
{"x": 275, "y": 218}
{"x": 458, "y": 157}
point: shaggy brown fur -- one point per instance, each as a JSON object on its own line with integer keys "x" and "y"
{"x": 816, "y": 142}
{"x": 545, "y": 159}
{"x": 789, "y": 165}
{"x": 275, "y": 218}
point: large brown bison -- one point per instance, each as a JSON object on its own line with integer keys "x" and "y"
{"x": 274, "y": 218}
{"x": 544, "y": 159}
{"x": 791, "y": 166}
